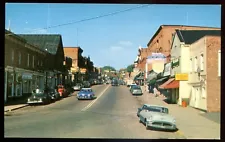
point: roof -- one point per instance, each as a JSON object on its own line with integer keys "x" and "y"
{"x": 46, "y": 42}
{"x": 9, "y": 33}
{"x": 190, "y": 36}
{"x": 154, "y": 105}
{"x": 159, "y": 29}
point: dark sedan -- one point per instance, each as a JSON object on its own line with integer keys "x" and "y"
{"x": 39, "y": 96}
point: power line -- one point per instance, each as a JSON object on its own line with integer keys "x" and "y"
{"x": 87, "y": 19}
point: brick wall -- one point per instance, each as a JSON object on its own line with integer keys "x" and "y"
{"x": 213, "y": 44}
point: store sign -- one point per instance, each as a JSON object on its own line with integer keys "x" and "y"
{"x": 27, "y": 76}
{"x": 175, "y": 63}
{"x": 157, "y": 60}
{"x": 181, "y": 76}
{"x": 167, "y": 70}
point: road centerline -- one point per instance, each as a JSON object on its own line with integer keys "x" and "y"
{"x": 89, "y": 105}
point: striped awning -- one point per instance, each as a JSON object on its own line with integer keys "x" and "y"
{"x": 166, "y": 83}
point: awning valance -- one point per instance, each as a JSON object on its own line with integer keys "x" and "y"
{"x": 173, "y": 84}
{"x": 167, "y": 82}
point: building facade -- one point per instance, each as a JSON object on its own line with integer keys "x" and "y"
{"x": 24, "y": 66}
{"x": 204, "y": 74}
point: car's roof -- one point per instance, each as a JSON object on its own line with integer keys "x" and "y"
{"x": 155, "y": 106}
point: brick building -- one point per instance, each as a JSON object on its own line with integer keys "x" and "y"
{"x": 161, "y": 42}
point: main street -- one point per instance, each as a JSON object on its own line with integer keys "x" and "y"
{"x": 111, "y": 115}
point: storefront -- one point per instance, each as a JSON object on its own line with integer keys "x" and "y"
{"x": 19, "y": 82}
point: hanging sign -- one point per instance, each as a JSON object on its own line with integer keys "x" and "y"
{"x": 157, "y": 60}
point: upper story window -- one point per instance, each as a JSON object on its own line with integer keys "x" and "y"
{"x": 28, "y": 59}
{"x": 12, "y": 55}
{"x": 33, "y": 62}
{"x": 219, "y": 63}
{"x": 196, "y": 64}
{"x": 19, "y": 58}
{"x": 191, "y": 67}
{"x": 202, "y": 62}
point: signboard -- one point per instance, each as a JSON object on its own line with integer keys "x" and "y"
{"x": 27, "y": 76}
{"x": 156, "y": 57}
{"x": 175, "y": 62}
{"x": 157, "y": 60}
{"x": 181, "y": 76}
{"x": 167, "y": 70}
{"x": 83, "y": 70}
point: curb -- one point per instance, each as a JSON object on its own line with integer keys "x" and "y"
{"x": 16, "y": 108}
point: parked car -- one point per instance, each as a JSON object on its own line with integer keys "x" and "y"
{"x": 77, "y": 87}
{"x": 131, "y": 86}
{"x": 136, "y": 90}
{"x": 54, "y": 94}
{"x": 154, "y": 116}
{"x": 86, "y": 84}
{"x": 86, "y": 93}
{"x": 39, "y": 96}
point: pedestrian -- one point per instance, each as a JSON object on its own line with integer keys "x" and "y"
{"x": 155, "y": 91}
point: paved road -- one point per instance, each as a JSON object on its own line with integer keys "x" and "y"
{"x": 111, "y": 115}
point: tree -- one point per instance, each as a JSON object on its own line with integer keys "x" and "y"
{"x": 108, "y": 68}
{"x": 130, "y": 68}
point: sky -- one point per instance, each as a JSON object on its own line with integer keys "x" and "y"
{"x": 112, "y": 40}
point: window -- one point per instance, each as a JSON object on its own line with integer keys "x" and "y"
{"x": 19, "y": 58}
{"x": 12, "y": 55}
{"x": 41, "y": 63}
{"x": 28, "y": 58}
{"x": 202, "y": 62}
{"x": 219, "y": 63}
{"x": 33, "y": 61}
{"x": 195, "y": 64}
{"x": 191, "y": 67}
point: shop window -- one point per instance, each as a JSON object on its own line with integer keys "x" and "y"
{"x": 195, "y": 64}
{"x": 28, "y": 59}
{"x": 19, "y": 58}
{"x": 12, "y": 55}
{"x": 191, "y": 67}
{"x": 33, "y": 61}
{"x": 202, "y": 62}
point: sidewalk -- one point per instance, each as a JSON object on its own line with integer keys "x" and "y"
{"x": 14, "y": 107}
{"x": 190, "y": 121}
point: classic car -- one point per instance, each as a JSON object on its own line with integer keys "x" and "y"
{"x": 154, "y": 116}
{"x": 39, "y": 96}
{"x": 77, "y": 87}
{"x": 136, "y": 90}
{"x": 54, "y": 94}
{"x": 85, "y": 93}
{"x": 131, "y": 86}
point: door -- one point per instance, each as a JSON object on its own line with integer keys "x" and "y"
{"x": 197, "y": 97}
{"x": 192, "y": 97}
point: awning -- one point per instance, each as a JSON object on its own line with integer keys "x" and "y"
{"x": 161, "y": 79}
{"x": 167, "y": 82}
{"x": 173, "y": 84}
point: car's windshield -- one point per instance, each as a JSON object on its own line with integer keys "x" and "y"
{"x": 157, "y": 109}
{"x": 136, "y": 87}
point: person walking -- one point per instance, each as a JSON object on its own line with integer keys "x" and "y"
{"x": 155, "y": 91}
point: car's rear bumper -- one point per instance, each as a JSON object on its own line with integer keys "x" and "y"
{"x": 137, "y": 93}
